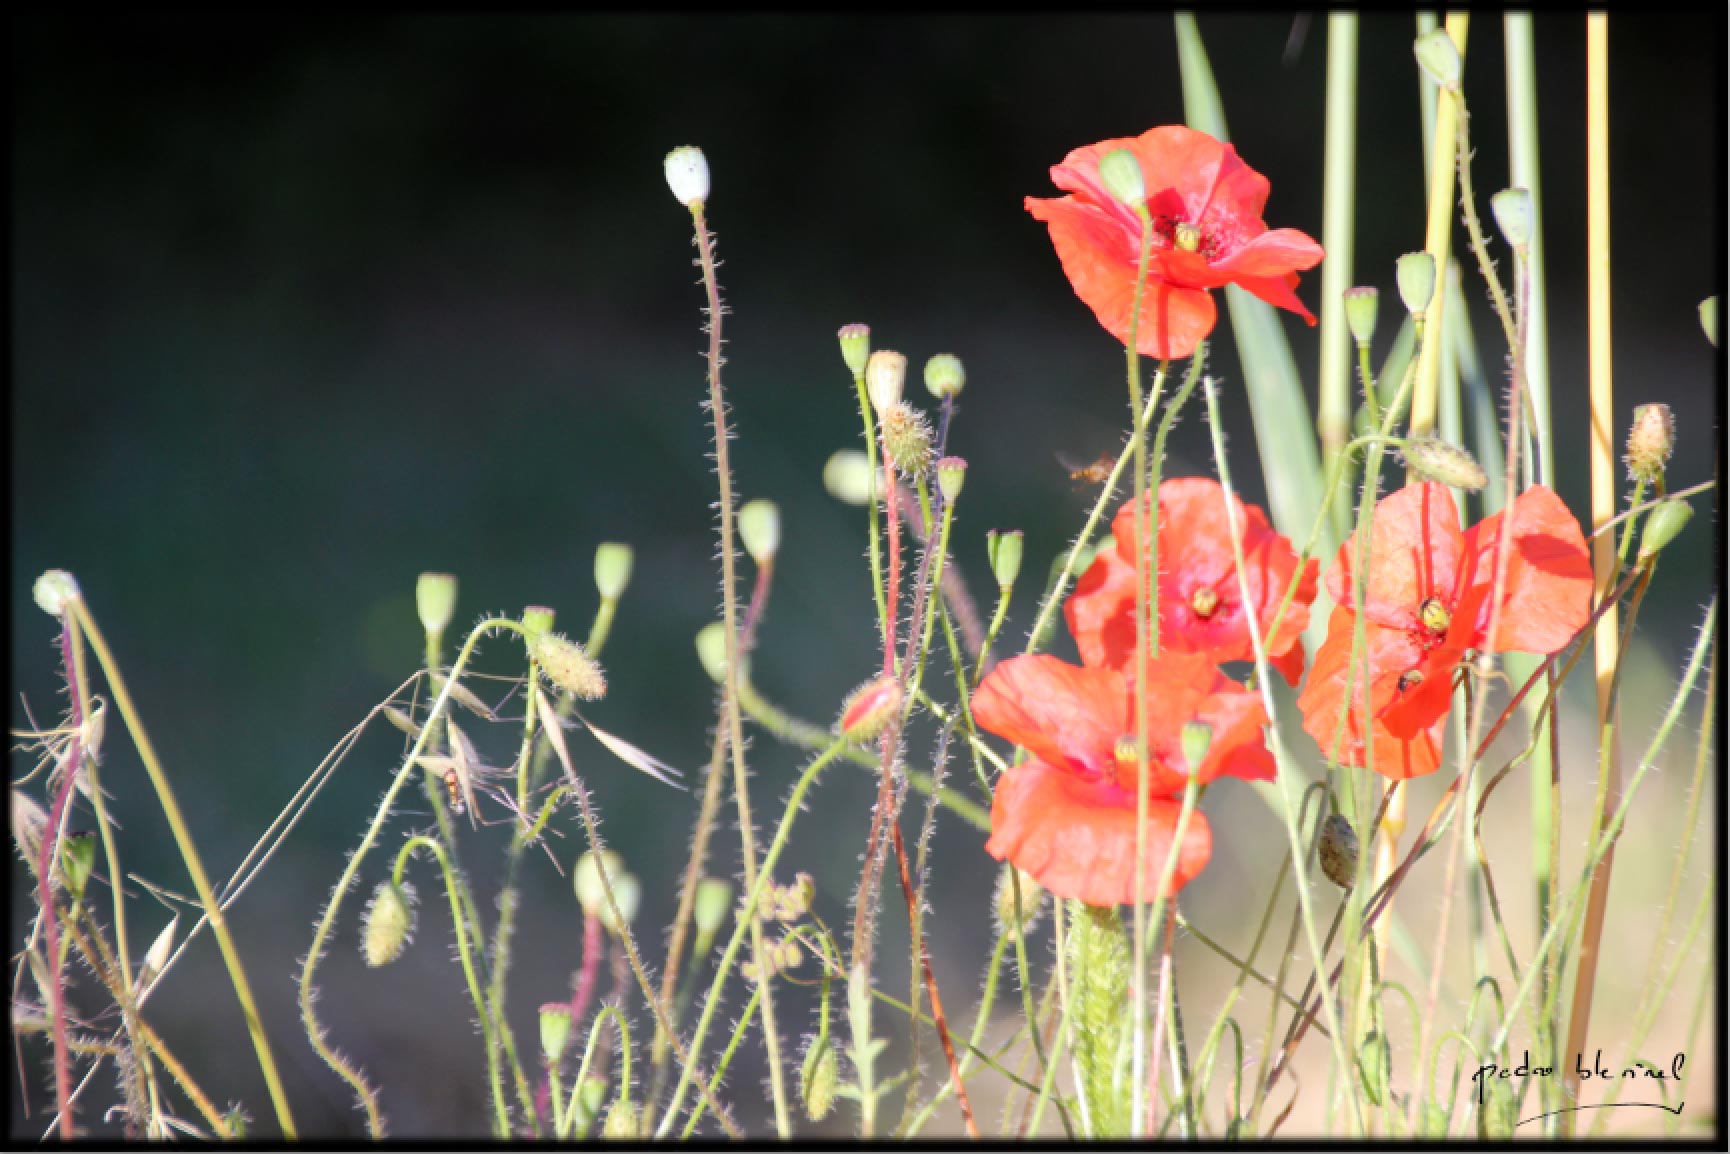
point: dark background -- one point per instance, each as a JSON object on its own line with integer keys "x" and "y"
{"x": 304, "y": 307}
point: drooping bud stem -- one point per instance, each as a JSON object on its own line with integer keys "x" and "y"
{"x": 760, "y": 529}
{"x": 1120, "y": 173}
{"x": 1438, "y": 57}
{"x": 688, "y": 175}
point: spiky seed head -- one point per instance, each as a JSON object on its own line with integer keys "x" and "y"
{"x": 951, "y": 476}
{"x": 1120, "y": 173}
{"x": 760, "y": 529}
{"x": 1662, "y": 526}
{"x": 944, "y": 375}
{"x": 555, "y": 1031}
{"x": 1434, "y": 459}
{"x": 712, "y": 650}
{"x": 388, "y": 924}
{"x": 855, "y": 347}
{"x": 586, "y": 879}
{"x": 688, "y": 175}
{"x": 53, "y": 590}
{"x": 1338, "y": 851}
{"x": 77, "y": 859}
{"x": 1709, "y": 319}
{"x": 819, "y": 1076}
{"x": 621, "y": 1123}
{"x": 869, "y": 708}
{"x": 435, "y": 599}
{"x": 1416, "y": 274}
{"x": 1513, "y": 211}
{"x": 28, "y": 821}
{"x": 628, "y": 893}
{"x": 563, "y": 662}
{"x": 1004, "y": 550}
{"x": 538, "y": 619}
{"x": 847, "y": 476}
{"x": 1651, "y": 438}
{"x": 1361, "y": 307}
{"x": 907, "y": 437}
{"x": 709, "y": 909}
{"x": 885, "y": 376}
{"x": 1438, "y": 57}
{"x": 613, "y": 562}
{"x": 1005, "y": 912}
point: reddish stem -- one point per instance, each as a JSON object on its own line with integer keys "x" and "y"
{"x": 594, "y": 945}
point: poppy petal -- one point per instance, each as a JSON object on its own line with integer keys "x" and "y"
{"x": 1391, "y": 654}
{"x": 1547, "y": 593}
{"x": 1272, "y": 255}
{"x": 1067, "y": 715}
{"x": 1277, "y": 291}
{"x": 1101, "y": 612}
{"x": 1415, "y": 552}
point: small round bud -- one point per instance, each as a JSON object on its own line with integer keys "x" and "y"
{"x": 77, "y": 859}
{"x": 907, "y": 439}
{"x": 1004, "y": 550}
{"x": 53, "y": 590}
{"x": 1513, "y": 211}
{"x": 760, "y": 529}
{"x": 587, "y": 1107}
{"x": 1651, "y": 437}
{"x": 855, "y": 347}
{"x": 1662, "y": 526}
{"x": 1197, "y": 738}
{"x": 1709, "y": 319}
{"x": 1434, "y": 459}
{"x": 869, "y": 708}
{"x": 709, "y": 909}
{"x": 555, "y": 1031}
{"x": 818, "y": 1078}
{"x": 1438, "y": 57}
{"x": 712, "y": 650}
{"x": 1120, "y": 173}
{"x": 389, "y": 923}
{"x": 613, "y": 562}
{"x": 1433, "y": 1122}
{"x": 586, "y": 879}
{"x": 951, "y": 475}
{"x": 1416, "y": 273}
{"x": 628, "y": 893}
{"x": 688, "y": 175}
{"x": 1005, "y": 912}
{"x": 435, "y": 598}
{"x": 621, "y": 1123}
{"x": 847, "y": 476}
{"x": 563, "y": 662}
{"x": 538, "y": 619}
{"x": 944, "y": 376}
{"x": 1338, "y": 851}
{"x": 885, "y": 376}
{"x": 1361, "y": 308}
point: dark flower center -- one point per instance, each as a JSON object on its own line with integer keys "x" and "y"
{"x": 1205, "y": 602}
{"x": 1186, "y": 236}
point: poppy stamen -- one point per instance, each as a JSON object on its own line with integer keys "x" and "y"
{"x": 1186, "y": 236}
{"x": 1205, "y": 602}
{"x": 1435, "y": 615}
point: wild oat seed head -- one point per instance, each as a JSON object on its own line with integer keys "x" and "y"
{"x": 28, "y": 821}
{"x": 688, "y": 175}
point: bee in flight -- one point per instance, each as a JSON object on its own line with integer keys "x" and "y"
{"x": 1083, "y": 476}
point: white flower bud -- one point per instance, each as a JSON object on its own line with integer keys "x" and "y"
{"x": 688, "y": 175}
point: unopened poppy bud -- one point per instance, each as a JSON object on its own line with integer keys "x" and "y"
{"x": 1338, "y": 851}
{"x": 628, "y": 894}
{"x": 1651, "y": 437}
{"x": 855, "y": 347}
{"x": 688, "y": 175}
{"x": 564, "y": 663}
{"x": 621, "y": 1123}
{"x": 538, "y": 619}
{"x": 1004, "y": 550}
{"x": 1416, "y": 274}
{"x": 1197, "y": 738}
{"x": 1709, "y": 319}
{"x": 1434, "y": 459}
{"x": 760, "y": 529}
{"x": 1361, "y": 307}
{"x": 1438, "y": 57}
{"x": 712, "y": 650}
{"x": 869, "y": 708}
{"x": 1120, "y": 173}
{"x": 435, "y": 599}
{"x": 613, "y": 563}
{"x": 951, "y": 475}
{"x": 1433, "y": 1122}
{"x": 885, "y": 376}
{"x": 590, "y": 1095}
{"x": 847, "y": 476}
{"x": 714, "y": 898}
{"x": 818, "y": 1078}
{"x": 388, "y": 924}
{"x": 1513, "y": 210}
{"x": 1662, "y": 526}
{"x": 555, "y": 1031}
{"x": 53, "y": 590}
{"x": 907, "y": 439}
{"x": 1007, "y": 914}
{"x": 944, "y": 376}
{"x": 586, "y": 879}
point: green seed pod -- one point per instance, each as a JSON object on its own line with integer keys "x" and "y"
{"x": 628, "y": 893}
{"x": 1197, "y": 739}
{"x": 712, "y": 650}
{"x": 1709, "y": 319}
{"x": 1434, "y": 459}
{"x": 1004, "y": 550}
{"x": 713, "y": 901}
{"x": 1662, "y": 526}
{"x": 760, "y": 530}
{"x": 1438, "y": 57}
{"x": 555, "y": 1032}
{"x": 847, "y": 477}
{"x": 1513, "y": 211}
{"x": 855, "y": 347}
{"x": 1416, "y": 274}
{"x": 538, "y": 619}
{"x": 1005, "y": 912}
{"x": 53, "y": 590}
{"x": 951, "y": 476}
{"x": 586, "y": 879}
{"x": 1361, "y": 309}
{"x": 563, "y": 662}
{"x": 885, "y": 376}
{"x": 621, "y": 1123}
{"x": 1651, "y": 439}
{"x": 77, "y": 859}
{"x": 613, "y": 562}
{"x": 1338, "y": 851}
{"x": 907, "y": 439}
{"x": 1120, "y": 173}
{"x": 388, "y": 924}
{"x": 818, "y": 1078}
{"x": 944, "y": 376}
{"x": 435, "y": 599}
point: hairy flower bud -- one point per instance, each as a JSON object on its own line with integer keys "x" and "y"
{"x": 555, "y": 1031}
{"x": 712, "y": 650}
{"x": 53, "y": 590}
{"x": 613, "y": 562}
{"x": 1662, "y": 526}
{"x": 869, "y": 708}
{"x": 1338, "y": 851}
{"x": 1513, "y": 211}
{"x": 1005, "y": 912}
{"x": 951, "y": 476}
{"x": 944, "y": 376}
{"x": 1361, "y": 308}
{"x": 628, "y": 893}
{"x": 435, "y": 599}
{"x": 1004, "y": 550}
{"x": 563, "y": 662}
{"x": 388, "y": 924}
{"x": 907, "y": 439}
{"x": 760, "y": 530}
{"x": 1438, "y": 57}
{"x": 621, "y": 1123}
{"x": 855, "y": 347}
{"x": 1651, "y": 437}
{"x": 1120, "y": 173}
{"x": 714, "y": 898}
{"x": 1434, "y": 459}
{"x": 1416, "y": 274}
{"x": 885, "y": 377}
{"x": 819, "y": 1076}
{"x": 688, "y": 175}
{"x": 586, "y": 879}
{"x": 847, "y": 476}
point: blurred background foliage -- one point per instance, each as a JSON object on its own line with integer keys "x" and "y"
{"x": 303, "y": 307}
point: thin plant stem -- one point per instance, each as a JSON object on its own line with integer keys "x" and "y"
{"x": 1339, "y": 160}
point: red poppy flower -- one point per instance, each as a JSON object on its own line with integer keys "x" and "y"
{"x": 1068, "y": 815}
{"x": 1200, "y": 607}
{"x": 1427, "y": 605}
{"x": 1206, "y": 206}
